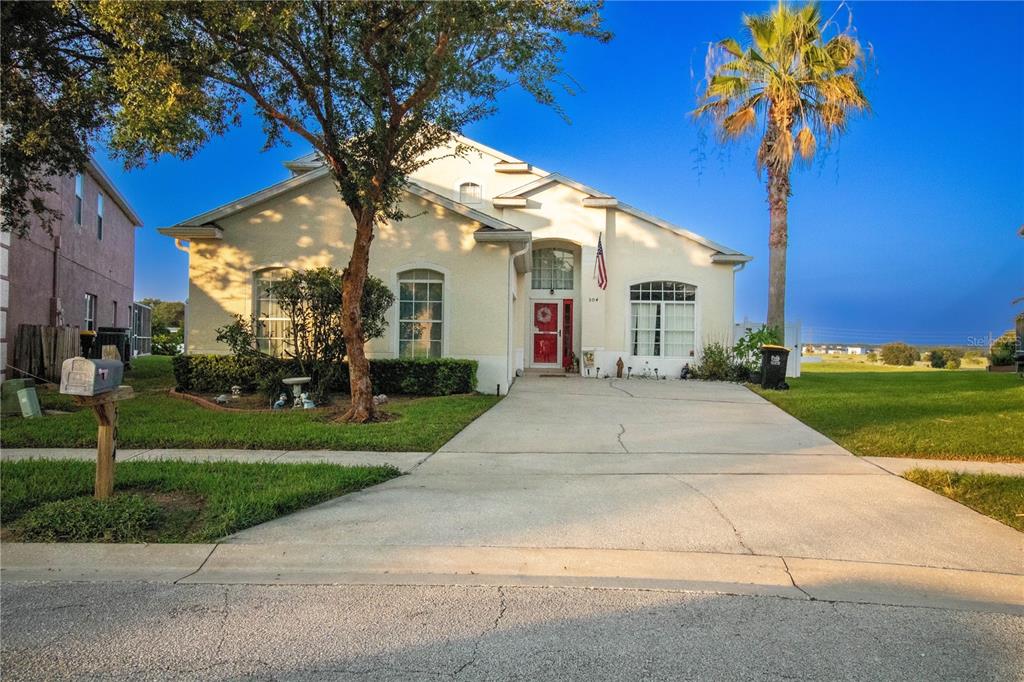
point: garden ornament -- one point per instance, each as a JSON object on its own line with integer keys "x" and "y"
{"x": 380, "y": 399}
{"x": 222, "y": 399}
{"x": 307, "y": 404}
{"x": 236, "y": 391}
{"x": 281, "y": 402}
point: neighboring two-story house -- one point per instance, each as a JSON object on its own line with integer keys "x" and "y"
{"x": 83, "y": 274}
{"x": 496, "y": 261}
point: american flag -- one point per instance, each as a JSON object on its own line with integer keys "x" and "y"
{"x": 602, "y": 273}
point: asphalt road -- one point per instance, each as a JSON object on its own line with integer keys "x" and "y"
{"x": 163, "y": 631}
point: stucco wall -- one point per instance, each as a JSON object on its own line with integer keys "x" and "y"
{"x": 310, "y": 227}
{"x": 488, "y": 314}
{"x": 84, "y": 263}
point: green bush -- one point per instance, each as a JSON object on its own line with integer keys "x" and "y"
{"x": 900, "y": 353}
{"x": 717, "y": 363}
{"x": 1003, "y": 349}
{"x": 747, "y": 349}
{"x": 945, "y": 358}
{"x": 421, "y": 376}
{"x": 124, "y": 518}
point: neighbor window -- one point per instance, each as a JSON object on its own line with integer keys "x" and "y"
{"x": 552, "y": 269}
{"x": 662, "y": 319}
{"x": 271, "y": 324}
{"x": 99, "y": 216}
{"x": 90, "y": 312}
{"x": 469, "y": 193}
{"x": 78, "y": 199}
{"x": 420, "y": 314}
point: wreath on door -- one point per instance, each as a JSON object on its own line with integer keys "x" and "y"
{"x": 544, "y": 315}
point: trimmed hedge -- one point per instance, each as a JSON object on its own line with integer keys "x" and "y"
{"x": 420, "y": 376}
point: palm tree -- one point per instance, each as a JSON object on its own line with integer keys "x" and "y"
{"x": 795, "y": 85}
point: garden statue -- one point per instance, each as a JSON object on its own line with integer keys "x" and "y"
{"x": 281, "y": 402}
{"x": 618, "y": 368}
{"x": 307, "y": 404}
{"x": 236, "y": 391}
{"x": 686, "y": 372}
{"x": 380, "y": 399}
{"x": 222, "y": 399}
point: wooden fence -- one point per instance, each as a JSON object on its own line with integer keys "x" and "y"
{"x": 39, "y": 351}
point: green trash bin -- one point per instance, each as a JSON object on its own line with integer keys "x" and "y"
{"x": 773, "y": 366}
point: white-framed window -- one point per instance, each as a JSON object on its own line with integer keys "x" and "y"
{"x": 420, "y": 314}
{"x": 99, "y": 216}
{"x": 470, "y": 193}
{"x": 79, "y": 193}
{"x": 552, "y": 269}
{"x": 270, "y": 321}
{"x": 662, "y": 319}
{"x": 90, "y": 312}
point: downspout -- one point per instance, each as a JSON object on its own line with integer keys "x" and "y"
{"x": 182, "y": 246}
{"x": 509, "y": 348}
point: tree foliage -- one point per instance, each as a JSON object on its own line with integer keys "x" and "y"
{"x": 795, "y": 80}
{"x": 55, "y": 93}
{"x": 899, "y": 353}
{"x": 376, "y": 88}
{"x": 166, "y": 314}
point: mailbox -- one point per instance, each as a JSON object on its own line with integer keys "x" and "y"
{"x": 86, "y": 377}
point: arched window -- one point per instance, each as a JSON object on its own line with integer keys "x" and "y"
{"x": 662, "y": 319}
{"x": 469, "y": 193}
{"x": 552, "y": 269}
{"x": 271, "y": 323}
{"x": 420, "y": 314}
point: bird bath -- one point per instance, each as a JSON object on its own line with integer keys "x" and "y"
{"x": 296, "y": 383}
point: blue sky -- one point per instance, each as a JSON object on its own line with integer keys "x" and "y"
{"x": 906, "y": 229}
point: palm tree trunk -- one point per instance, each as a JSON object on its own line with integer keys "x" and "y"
{"x": 778, "y": 238}
{"x": 362, "y": 408}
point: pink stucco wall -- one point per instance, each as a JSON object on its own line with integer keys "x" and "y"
{"x": 84, "y": 264}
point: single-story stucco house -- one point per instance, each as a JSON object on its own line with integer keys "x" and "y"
{"x": 497, "y": 261}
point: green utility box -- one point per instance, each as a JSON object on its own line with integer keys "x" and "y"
{"x": 9, "y": 404}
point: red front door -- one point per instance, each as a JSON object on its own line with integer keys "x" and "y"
{"x": 545, "y": 333}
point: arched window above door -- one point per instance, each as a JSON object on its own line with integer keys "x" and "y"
{"x": 552, "y": 269}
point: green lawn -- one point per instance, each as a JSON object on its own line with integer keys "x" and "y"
{"x": 910, "y": 412}
{"x": 166, "y": 501}
{"x": 1001, "y": 497}
{"x": 153, "y": 419}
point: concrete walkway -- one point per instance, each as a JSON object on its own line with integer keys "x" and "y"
{"x": 676, "y": 485}
{"x": 899, "y": 465}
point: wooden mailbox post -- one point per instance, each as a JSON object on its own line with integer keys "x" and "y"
{"x": 104, "y": 406}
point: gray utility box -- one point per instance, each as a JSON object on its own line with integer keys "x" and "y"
{"x": 83, "y": 376}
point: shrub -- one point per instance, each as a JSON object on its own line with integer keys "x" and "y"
{"x": 421, "y": 376}
{"x": 747, "y": 349}
{"x": 899, "y": 353}
{"x": 123, "y": 518}
{"x": 717, "y": 363}
{"x": 218, "y": 373}
{"x": 948, "y": 358}
{"x": 872, "y": 356}
{"x": 1003, "y": 349}
{"x": 168, "y": 343}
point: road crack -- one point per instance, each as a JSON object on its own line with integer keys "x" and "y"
{"x": 721, "y": 514}
{"x": 622, "y": 432}
{"x": 792, "y": 580}
{"x": 502, "y": 608}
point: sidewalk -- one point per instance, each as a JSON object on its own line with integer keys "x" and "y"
{"x": 898, "y": 465}
{"x": 404, "y": 461}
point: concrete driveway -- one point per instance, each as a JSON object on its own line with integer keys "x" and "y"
{"x": 599, "y": 470}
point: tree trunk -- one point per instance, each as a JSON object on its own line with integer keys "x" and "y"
{"x": 362, "y": 408}
{"x": 778, "y": 238}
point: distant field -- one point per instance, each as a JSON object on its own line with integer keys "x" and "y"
{"x": 910, "y": 411}
{"x": 860, "y": 362}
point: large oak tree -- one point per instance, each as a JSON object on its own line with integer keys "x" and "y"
{"x": 376, "y": 88}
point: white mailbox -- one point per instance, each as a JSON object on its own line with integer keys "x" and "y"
{"x": 86, "y": 377}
